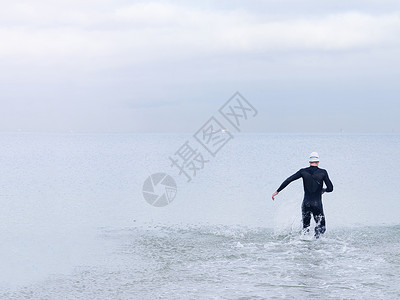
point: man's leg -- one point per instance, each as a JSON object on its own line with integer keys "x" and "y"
{"x": 319, "y": 218}
{"x": 306, "y": 217}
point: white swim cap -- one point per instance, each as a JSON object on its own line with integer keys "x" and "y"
{"x": 314, "y": 157}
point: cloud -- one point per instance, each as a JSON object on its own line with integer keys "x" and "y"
{"x": 121, "y": 65}
{"x": 158, "y": 31}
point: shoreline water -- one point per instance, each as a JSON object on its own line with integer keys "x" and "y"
{"x": 75, "y": 223}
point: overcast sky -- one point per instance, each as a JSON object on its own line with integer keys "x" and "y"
{"x": 167, "y": 66}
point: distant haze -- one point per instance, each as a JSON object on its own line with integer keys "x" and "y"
{"x": 167, "y": 66}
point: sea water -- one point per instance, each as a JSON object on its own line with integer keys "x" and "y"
{"x": 74, "y": 223}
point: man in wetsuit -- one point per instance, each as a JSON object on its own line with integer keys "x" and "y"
{"x": 313, "y": 179}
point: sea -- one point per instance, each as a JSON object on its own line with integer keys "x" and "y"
{"x": 75, "y": 222}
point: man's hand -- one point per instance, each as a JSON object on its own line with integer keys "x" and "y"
{"x": 274, "y": 195}
{"x": 323, "y": 191}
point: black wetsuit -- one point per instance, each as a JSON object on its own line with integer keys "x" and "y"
{"x": 313, "y": 179}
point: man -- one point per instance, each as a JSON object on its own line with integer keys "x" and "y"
{"x": 313, "y": 179}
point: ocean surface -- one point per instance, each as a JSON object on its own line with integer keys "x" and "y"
{"x": 74, "y": 223}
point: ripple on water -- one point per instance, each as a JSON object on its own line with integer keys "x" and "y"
{"x": 223, "y": 262}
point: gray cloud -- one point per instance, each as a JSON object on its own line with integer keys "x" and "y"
{"x": 128, "y": 66}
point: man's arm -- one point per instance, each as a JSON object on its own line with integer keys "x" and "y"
{"x": 328, "y": 182}
{"x": 284, "y": 184}
{"x": 294, "y": 177}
